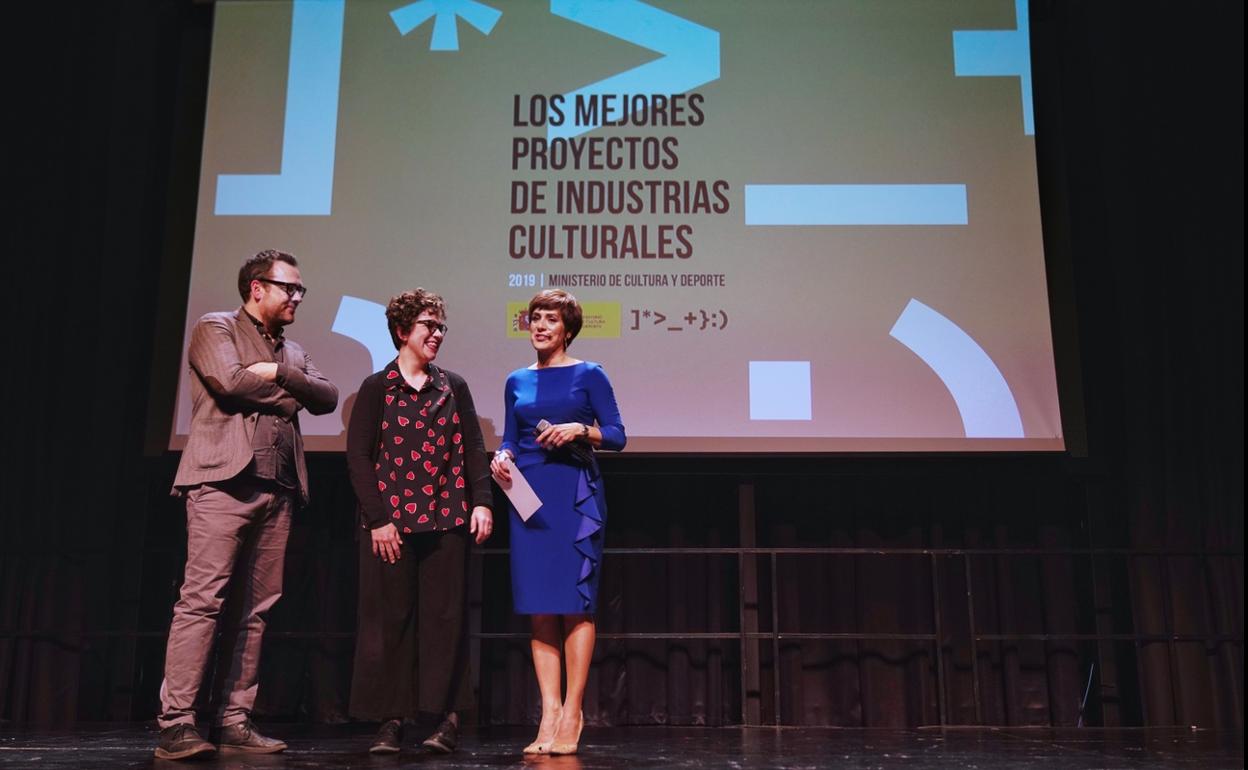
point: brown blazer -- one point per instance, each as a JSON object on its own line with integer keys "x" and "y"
{"x": 226, "y": 398}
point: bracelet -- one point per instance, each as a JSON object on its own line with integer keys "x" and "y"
{"x": 584, "y": 430}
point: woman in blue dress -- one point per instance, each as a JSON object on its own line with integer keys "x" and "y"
{"x": 557, "y": 412}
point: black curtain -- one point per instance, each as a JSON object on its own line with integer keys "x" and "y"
{"x": 1140, "y": 140}
{"x": 93, "y": 94}
{"x": 1151, "y": 127}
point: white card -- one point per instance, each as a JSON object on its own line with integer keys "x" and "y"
{"x": 520, "y": 493}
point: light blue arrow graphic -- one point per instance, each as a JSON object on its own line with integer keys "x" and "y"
{"x": 998, "y": 53}
{"x": 855, "y": 204}
{"x": 978, "y": 388}
{"x": 690, "y": 53}
{"x": 445, "y": 31}
{"x": 305, "y": 186}
{"x": 364, "y": 322}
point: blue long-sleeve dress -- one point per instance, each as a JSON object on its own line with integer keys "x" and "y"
{"x": 556, "y": 556}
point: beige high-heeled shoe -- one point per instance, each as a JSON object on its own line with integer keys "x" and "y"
{"x": 569, "y": 747}
{"x": 541, "y": 745}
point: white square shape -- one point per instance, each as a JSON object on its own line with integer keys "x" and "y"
{"x": 779, "y": 390}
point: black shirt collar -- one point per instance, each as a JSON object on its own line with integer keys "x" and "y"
{"x": 275, "y": 339}
{"x": 394, "y": 378}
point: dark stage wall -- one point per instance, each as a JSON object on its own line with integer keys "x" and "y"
{"x": 1134, "y": 554}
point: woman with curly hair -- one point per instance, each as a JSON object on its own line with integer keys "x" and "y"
{"x": 417, "y": 463}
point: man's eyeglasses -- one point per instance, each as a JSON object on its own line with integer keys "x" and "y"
{"x": 293, "y": 290}
{"x": 433, "y": 326}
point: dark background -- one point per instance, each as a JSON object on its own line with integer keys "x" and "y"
{"x": 1133, "y": 555}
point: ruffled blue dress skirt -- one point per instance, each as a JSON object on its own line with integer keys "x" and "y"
{"x": 556, "y": 556}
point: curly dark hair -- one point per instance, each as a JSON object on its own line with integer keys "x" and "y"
{"x": 405, "y": 308}
{"x": 258, "y": 267}
{"x": 569, "y": 310}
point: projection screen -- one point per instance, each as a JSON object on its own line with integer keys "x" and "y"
{"x": 798, "y": 225}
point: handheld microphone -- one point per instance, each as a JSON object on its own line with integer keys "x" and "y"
{"x": 578, "y": 449}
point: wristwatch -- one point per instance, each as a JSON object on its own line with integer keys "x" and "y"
{"x": 584, "y": 430}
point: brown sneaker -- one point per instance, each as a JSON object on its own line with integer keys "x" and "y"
{"x": 183, "y": 742}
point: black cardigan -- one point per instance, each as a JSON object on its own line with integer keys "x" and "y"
{"x": 364, "y": 435}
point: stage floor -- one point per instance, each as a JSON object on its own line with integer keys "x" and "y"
{"x": 664, "y": 747}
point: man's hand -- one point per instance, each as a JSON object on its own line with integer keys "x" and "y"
{"x": 265, "y": 370}
{"x": 482, "y": 524}
{"x": 387, "y": 543}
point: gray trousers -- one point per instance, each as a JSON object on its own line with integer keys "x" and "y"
{"x": 236, "y": 545}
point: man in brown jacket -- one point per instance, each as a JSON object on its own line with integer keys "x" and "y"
{"x": 242, "y": 474}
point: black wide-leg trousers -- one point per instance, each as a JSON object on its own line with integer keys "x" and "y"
{"x": 411, "y": 649}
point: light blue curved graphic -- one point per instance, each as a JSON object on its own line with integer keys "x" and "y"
{"x": 690, "y": 53}
{"x": 998, "y": 53}
{"x": 978, "y": 388}
{"x": 855, "y": 204}
{"x": 445, "y": 31}
{"x": 365, "y": 322}
{"x": 305, "y": 186}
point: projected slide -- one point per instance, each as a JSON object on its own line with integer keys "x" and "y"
{"x": 806, "y": 226}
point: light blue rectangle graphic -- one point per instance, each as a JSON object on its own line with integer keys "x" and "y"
{"x": 999, "y": 53}
{"x": 855, "y": 204}
{"x": 305, "y": 186}
{"x": 779, "y": 390}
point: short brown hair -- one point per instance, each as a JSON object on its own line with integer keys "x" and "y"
{"x": 569, "y": 310}
{"x": 404, "y": 309}
{"x": 258, "y": 267}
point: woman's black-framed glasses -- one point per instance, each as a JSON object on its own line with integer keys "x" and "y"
{"x": 293, "y": 290}
{"x": 433, "y": 326}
